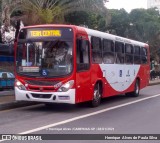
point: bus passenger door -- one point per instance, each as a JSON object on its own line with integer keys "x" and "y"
{"x": 83, "y": 79}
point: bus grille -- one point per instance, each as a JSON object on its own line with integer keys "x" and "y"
{"x": 42, "y": 83}
{"x": 39, "y": 89}
{"x": 46, "y": 96}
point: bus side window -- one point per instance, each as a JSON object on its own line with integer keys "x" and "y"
{"x": 83, "y": 60}
{"x": 108, "y": 52}
{"x": 96, "y": 50}
{"x": 119, "y": 49}
{"x": 128, "y": 54}
{"x": 137, "y": 59}
{"x": 143, "y": 55}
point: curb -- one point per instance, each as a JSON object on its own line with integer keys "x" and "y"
{"x": 15, "y": 104}
{"x": 156, "y": 83}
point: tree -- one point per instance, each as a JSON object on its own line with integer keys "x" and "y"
{"x": 119, "y": 22}
{"x": 54, "y": 11}
{"x": 140, "y": 24}
{"x": 8, "y": 7}
{"x": 89, "y": 19}
{"x": 0, "y": 20}
{"x": 46, "y": 11}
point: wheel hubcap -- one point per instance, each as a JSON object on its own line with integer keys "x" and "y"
{"x": 137, "y": 88}
{"x": 96, "y": 95}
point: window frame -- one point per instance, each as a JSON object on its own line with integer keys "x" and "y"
{"x": 137, "y": 55}
{"x": 81, "y": 67}
{"x": 97, "y": 51}
{"x": 129, "y": 54}
{"x": 119, "y": 53}
{"x": 112, "y": 51}
{"x": 143, "y": 55}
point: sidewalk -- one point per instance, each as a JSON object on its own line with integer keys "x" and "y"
{"x": 8, "y": 101}
{"x": 154, "y": 82}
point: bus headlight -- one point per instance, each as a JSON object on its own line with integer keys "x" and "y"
{"x": 19, "y": 85}
{"x": 65, "y": 87}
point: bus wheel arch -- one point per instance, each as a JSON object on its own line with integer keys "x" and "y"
{"x": 97, "y": 94}
{"x": 135, "y": 92}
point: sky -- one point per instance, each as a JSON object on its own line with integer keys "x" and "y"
{"x": 128, "y": 5}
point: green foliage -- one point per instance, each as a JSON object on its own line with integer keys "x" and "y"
{"x": 16, "y": 13}
{"x": 33, "y": 12}
{"x": 46, "y": 15}
{"x": 119, "y": 22}
{"x": 54, "y": 11}
{"x": 91, "y": 20}
{"x": 140, "y": 24}
{"x": 77, "y": 18}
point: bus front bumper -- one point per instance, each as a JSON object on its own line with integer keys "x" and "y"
{"x": 50, "y": 97}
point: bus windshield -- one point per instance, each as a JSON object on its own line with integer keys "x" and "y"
{"x": 44, "y": 58}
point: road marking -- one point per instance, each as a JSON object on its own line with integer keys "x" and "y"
{"x": 86, "y": 115}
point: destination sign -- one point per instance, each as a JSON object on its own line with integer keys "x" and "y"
{"x": 45, "y": 33}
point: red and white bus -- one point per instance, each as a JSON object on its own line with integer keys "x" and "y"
{"x": 72, "y": 64}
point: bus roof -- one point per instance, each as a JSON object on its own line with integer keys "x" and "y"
{"x": 95, "y": 33}
{"x": 114, "y": 37}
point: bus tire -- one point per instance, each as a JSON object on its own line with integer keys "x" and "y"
{"x": 97, "y": 94}
{"x": 135, "y": 93}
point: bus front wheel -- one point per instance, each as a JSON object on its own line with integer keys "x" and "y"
{"x": 97, "y": 94}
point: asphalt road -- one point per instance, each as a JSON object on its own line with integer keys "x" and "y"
{"x": 116, "y": 115}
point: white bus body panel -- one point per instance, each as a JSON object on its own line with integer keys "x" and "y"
{"x": 120, "y": 77}
{"x": 70, "y": 95}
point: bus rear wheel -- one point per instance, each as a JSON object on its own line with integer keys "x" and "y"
{"x": 97, "y": 94}
{"x": 135, "y": 93}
